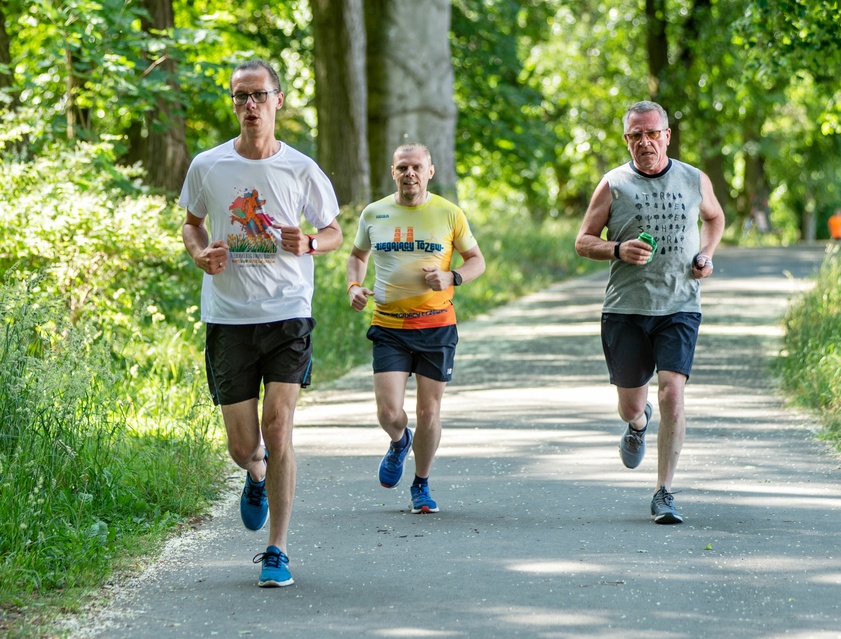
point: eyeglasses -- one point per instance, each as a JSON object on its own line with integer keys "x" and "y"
{"x": 651, "y": 135}
{"x": 258, "y": 96}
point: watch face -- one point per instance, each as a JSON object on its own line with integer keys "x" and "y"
{"x": 456, "y": 278}
{"x": 313, "y": 244}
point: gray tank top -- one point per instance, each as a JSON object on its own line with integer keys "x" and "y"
{"x": 665, "y": 206}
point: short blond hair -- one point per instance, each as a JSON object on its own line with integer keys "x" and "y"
{"x": 413, "y": 146}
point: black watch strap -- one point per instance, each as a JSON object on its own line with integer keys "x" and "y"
{"x": 616, "y": 250}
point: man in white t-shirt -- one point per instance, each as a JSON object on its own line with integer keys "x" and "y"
{"x": 244, "y": 200}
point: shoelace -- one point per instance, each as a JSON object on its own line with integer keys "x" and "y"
{"x": 254, "y": 494}
{"x": 393, "y": 457}
{"x": 666, "y": 498}
{"x": 422, "y": 494}
{"x": 271, "y": 559}
{"x": 635, "y": 439}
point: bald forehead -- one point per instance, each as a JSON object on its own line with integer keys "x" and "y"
{"x": 411, "y": 157}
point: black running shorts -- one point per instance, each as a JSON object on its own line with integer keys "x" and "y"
{"x": 429, "y": 352}
{"x": 637, "y": 345}
{"x": 238, "y": 359}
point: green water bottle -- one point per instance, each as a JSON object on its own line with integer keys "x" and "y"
{"x": 648, "y": 239}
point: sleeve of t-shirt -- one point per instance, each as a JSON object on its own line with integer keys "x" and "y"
{"x": 363, "y": 238}
{"x": 320, "y": 204}
{"x": 463, "y": 238}
{"x": 191, "y": 191}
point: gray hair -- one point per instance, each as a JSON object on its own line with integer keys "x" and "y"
{"x": 645, "y": 106}
{"x": 257, "y": 64}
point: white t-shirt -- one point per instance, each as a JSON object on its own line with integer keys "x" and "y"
{"x": 239, "y": 199}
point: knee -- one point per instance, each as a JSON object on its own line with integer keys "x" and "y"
{"x": 243, "y": 454}
{"x": 631, "y": 411}
{"x": 670, "y": 396}
{"x": 391, "y": 415}
{"x": 428, "y": 417}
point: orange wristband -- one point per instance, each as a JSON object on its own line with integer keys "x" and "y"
{"x": 351, "y": 285}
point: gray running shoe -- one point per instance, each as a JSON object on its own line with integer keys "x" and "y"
{"x": 663, "y": 508}
{"x": 632, "y": 444}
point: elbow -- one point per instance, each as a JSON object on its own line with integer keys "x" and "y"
{"x": 481, "y": 266}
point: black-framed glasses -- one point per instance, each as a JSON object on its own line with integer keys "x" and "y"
{"x": 651, "y": 135}
{"x": 258, "y": 96}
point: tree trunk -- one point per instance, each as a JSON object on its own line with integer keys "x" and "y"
{"x": 341, "y": 97}
{"x": 659, "y": 88}
{"x": 410, "y": 88}
{"x": 165, "y": 156}
{"x": 6, "y": 77}
{"x": 69, "y": 94}
{"x": 715, "y": 168}
{"x": 379, "y": 154}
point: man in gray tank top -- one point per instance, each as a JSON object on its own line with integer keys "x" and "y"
{"x": 663, "y": 225}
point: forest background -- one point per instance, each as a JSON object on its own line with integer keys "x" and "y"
{"x": 107, "y": 436}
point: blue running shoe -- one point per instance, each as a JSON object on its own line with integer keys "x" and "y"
{"x": 275, "y": 573}
{"x": 422, "y": 502}
{"x": 632, "y": 444}
{"x": 391, "y": 467}
{"x": 253, "y": 503}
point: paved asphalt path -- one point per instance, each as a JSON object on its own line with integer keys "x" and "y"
{"x": 542, "y": 531}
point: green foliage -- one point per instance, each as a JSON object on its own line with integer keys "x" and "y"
{"x": 107, "y": 435}
{"x": 811, "y": 359}
{"x": 112, "y": 257}
{"x": 80, "y": 480}
{"x": 502, "y": 132}
{"x": 781, "y": 35}
{"x": 81, "y": 60}
{"x": 590, "y": 70}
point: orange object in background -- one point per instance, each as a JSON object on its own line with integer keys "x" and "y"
{"x": 835, "y": 225}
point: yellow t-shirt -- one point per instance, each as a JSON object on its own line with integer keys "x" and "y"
{"x": 403, "y": 240}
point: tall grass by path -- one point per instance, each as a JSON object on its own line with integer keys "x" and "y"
{"x": 108, "y": 440}
{"x": 810, "y": 362}
{"x": 83, "y": 489}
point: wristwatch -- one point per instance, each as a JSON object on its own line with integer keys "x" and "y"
{"x": 456, "y": 278}
{"x": 313, "y": 244}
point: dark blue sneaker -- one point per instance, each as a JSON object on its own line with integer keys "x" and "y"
{"x": 391, "y": 467}
{"x": 275, "y": 573}
{"x": 422, "y": 502}
{"x": 253, "y": 503}
{"x": 632, "y": 444}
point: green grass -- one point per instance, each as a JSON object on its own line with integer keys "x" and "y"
{"x": 810, "y": 362}
{"x": 90, "y": 478}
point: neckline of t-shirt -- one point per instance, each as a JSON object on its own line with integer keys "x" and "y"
{"x": 281, "y": 149}
{"x": 417, "y": 206}
{"x": 650, "y": 176}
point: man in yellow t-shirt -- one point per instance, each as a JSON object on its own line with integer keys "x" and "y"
{"x": 412, "y": 235}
